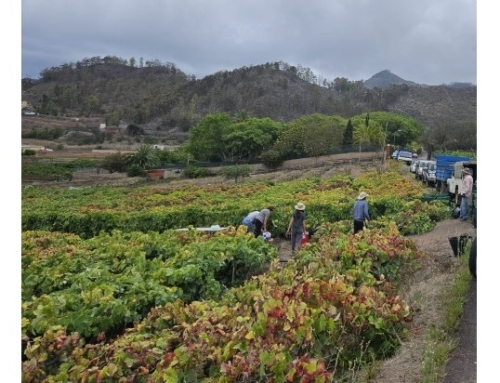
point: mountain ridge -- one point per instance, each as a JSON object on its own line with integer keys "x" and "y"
{"x": 163, "y": 95}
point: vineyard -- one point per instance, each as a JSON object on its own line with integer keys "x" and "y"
{"x": 112, "y": 292}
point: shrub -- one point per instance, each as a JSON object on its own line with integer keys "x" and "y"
{"x": 47, "y": 172}
{"x": 272, "y": 158}
{"x": 116, "y": 162}
{"x": 136, "y": 171}
{"x": 197, "y": 172}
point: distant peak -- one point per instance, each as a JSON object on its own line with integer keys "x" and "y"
{"x": 385, "y": 79}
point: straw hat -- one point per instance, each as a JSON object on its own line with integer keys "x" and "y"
{"x": 300, "y": 206}
{"x": 362, "y": 195}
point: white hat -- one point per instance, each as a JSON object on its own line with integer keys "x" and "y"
{"x": 466, "y": 170}
{"x": 362, "y": 195}
{"x": 300, "y": 206}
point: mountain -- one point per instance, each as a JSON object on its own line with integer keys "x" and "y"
{"x": 385, "y": 79}
{"x": 161, "y": 98}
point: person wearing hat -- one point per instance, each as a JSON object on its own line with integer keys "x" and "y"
{"x": 360, "y": 212}
{"x": 297, "y": 226}
{"x": 465, "y": 193}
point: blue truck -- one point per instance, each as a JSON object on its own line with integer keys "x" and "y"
{"x": 445, "y": 167}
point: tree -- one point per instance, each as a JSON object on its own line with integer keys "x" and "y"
{"x": 134, "y": 130}
{"x": 145, "y": 157}
{"x": 370, "y": 134}
{"x": 116, "y": 162}
{"x": 248, "y": 139}
{"x": 218, "y": 138}
{"x": 449, "y": 134}
{"x": 236, "y": 171}
{"x": 312, "y": 135}
{"x": 206, "y": 140}
{"x": 410, "y": 128}
{"x": 348, "y": 132}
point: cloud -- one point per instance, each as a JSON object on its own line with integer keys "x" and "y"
{"x": 425, "y": 41}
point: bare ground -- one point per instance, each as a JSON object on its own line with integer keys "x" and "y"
{"x": 424, "y": 293}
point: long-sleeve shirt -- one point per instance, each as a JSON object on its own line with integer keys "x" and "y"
{"x": 360, "y": 211}
{"x": 467, "y": 182}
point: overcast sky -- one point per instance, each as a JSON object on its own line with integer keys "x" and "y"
{"x": 425, "y": 41}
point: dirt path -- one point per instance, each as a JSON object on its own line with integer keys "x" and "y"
{"x": 423, "y": 293}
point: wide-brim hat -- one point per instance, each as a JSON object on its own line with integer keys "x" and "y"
{"x": 300, "y": 206}
{"x": 466, "y": 170}
{"x": 362, "y": 195}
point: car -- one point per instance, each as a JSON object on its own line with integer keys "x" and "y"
{"x": 420, "y": 168}
{"x": 413, "y": 166}
{"x": 429, "y": 174}
{"x": 403, "y": 154}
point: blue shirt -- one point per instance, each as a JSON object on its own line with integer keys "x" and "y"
{"x": 360, "y": 211}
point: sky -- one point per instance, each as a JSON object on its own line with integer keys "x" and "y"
{"x": 427, "y": 41}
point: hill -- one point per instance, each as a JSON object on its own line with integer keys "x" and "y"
{"x": 160, "y": 97}
{"x": 385, "y": 79}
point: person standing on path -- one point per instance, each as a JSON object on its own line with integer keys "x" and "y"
{"x": 466, "y": 193}
{"x": 260, "y": 221}
{"x": 247, "y": 221}
{"x": 360, "y": 212}
{"x": 297, "y": 226}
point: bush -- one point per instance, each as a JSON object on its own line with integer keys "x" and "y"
{"x": 44, "y": 133}
{"x": 47, "y": 172}
{"x": 272, "y": 158}
{"x": 116, "y": 162}
{"x": 136, "y": 171}
{"x": 197, "y": 172}
{"x": 29, "y": 152}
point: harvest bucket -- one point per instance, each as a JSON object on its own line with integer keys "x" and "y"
{"x": 305, "y": 239}
{"x": 458, "y": 244}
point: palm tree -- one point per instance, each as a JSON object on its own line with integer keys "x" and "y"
{"x": 145, "y": 157}
{"x": 369, "y": 133}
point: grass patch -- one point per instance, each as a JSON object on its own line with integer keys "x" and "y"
{"x": 440, "y": 341}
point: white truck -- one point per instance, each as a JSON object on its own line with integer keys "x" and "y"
{"x": 454, "y": 183}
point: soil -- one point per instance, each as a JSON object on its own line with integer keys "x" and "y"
{"x": 323, "y": 166}
{"x": 423, "y": 289}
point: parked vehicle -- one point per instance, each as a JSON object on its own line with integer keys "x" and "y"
{"x": 444, "y": 170}
{"x": 405, "y": 155}
{"x": 420, "y": 168}
{"x": 429, "y": 174}
{"x": 413, "y": 166}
